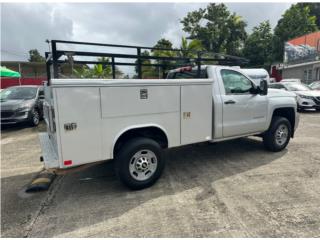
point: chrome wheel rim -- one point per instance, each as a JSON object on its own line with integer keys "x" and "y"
{"x": 35, "y": 117}
{"x": 143, "y": 165}
{"x": 282, "y": 134}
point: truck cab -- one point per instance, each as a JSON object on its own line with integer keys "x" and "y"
{"x": 239, "y": 107}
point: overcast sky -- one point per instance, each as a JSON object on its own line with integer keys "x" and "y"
{"x": 27, "y": 26}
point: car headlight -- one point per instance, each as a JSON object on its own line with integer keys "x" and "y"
{"x": 305, "y": 97}
{"x": 23, "y": 109}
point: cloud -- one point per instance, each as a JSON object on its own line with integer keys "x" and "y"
{"x": 254, "y": 13}
{"x": 27, "y": 26}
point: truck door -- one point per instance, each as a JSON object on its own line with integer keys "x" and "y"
{"x": 243, "y": 111}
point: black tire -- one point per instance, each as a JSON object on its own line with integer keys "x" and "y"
{"x": 34, "y": 119}
{"x": 270, "y": 137}
{"x": 125, "y": 161}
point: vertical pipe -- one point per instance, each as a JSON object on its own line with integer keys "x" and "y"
{"x": 113, "y": 68}
{"x": 139, "y": 63}
{"x": 199, "y": 64}
{"x": 164, "y": 71}
{"x": 48, "y": 68}
{"x": 54, "y": 59}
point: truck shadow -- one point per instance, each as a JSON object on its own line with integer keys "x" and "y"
{"x": 20, "y": 126}
{"x": 309, "y": 111}
{"x": 94, "y": 196}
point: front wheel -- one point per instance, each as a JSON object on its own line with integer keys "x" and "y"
{"x": 139, "y": 163}
{"x": 278, "y": 135}
{"x": 34, "y": 117}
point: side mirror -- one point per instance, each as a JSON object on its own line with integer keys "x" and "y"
{"x": 263, "y": 88}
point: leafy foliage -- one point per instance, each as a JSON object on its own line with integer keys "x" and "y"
{"x": 189, "y": 48}
{"x": 295, "y": 22}
{"x": 314, "y": 8}
{"x": 216, "y": 28}
{"x": 147, "y": 71}
{"x": 258, "y": 45}
{"x": 163, "y": 43}
{"x": 98, "y": 70}
{"x": 34, "y": 56}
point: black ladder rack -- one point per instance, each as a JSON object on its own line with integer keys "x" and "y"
{"x": 54, "y": 58}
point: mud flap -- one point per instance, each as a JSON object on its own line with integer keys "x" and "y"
{"x": 41, "y": 182}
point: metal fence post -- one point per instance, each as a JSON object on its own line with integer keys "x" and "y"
{"x": 113, "y": 68}
{"x": 199, "y": 64}
{"x": 139, "y": 63}
{"x": 54, "y": 59}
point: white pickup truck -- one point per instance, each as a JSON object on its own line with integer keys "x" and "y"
{"x": 133, "y": 121}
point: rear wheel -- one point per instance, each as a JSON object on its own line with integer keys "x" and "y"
{"x": 278, "y": 135}
{"x": 139, "y": 163}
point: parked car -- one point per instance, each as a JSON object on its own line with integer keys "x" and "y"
{"x": 296, "y": 80}
{"x": 306, "y": 97}
{"x": 315, "y": 85}
{"x": 22, "y": 104}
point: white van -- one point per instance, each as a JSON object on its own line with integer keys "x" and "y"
{"x": 256, "y": 74}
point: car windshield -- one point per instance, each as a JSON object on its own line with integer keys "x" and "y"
{"x": 297, "y": 87}
{"x": 314, "y": 84}
{"x": 18, "y": 93}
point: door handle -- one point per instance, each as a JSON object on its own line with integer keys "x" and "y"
{"x": 229, "y": 102}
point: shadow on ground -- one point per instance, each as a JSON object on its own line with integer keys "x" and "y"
{"x": 95, "y": 195}
{"x": 21, "y": 126}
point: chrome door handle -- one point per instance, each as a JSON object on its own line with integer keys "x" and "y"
{"x": 229, "y": 102}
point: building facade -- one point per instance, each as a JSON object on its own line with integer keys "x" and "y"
{"x": 302, "y": 58}
{"x": 308, "y": 72}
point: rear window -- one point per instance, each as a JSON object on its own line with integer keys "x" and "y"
{"x": 276, "y": 86}
{"x": 188, "y": 74}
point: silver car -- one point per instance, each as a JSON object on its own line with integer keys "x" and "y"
{"x": 307, "y": 98}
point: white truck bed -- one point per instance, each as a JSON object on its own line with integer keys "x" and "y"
{"x": 103, "y": 110}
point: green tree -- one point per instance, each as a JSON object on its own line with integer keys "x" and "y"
{"x": 34, "y": 56}
{"x": 190, "y": 48}
{"x": 100, "y": 70}
{"x": 147, "y": 71}
{"x": 258, "y": 45}
{"x": 314, "y": 10}
{"x": 216, "y": 28}
{"x": 295, "y": 22}
{"x": 166, "y": 44}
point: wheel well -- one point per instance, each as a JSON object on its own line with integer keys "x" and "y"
{"x": 287, "y": 113}
{"x": 154, "y": 133}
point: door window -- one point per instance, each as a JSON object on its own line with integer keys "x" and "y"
{"x": 235, "y": 83}
{"x": 277, "y": 86}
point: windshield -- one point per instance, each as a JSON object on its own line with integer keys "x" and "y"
{"x": 18, "y": 93}
{"x": 297, "y": 87}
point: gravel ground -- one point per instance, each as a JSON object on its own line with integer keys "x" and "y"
{"x": 229, "y": 189}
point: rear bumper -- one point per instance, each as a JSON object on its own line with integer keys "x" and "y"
{"x": 49, "y": 154}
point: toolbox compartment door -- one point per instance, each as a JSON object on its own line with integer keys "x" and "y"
{"x": 196, "y": 113}
{"x": 79, "y": 124}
